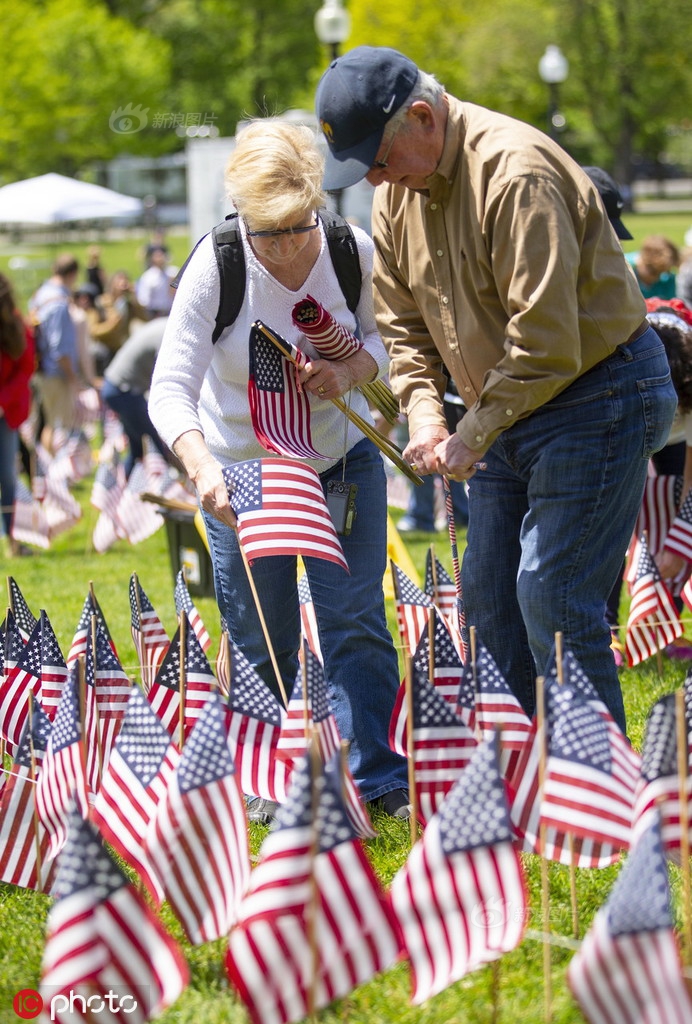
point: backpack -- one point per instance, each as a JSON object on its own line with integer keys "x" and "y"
{"x": 230, "y": 258}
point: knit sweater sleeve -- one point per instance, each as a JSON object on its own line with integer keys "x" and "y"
{"x": 187, "y": 349}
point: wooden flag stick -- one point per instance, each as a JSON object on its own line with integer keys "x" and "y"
{"x": 97, "y": 716}
{"x": 433, "y": 569}
{"x": 683, "y": 775}
{"x": 265, "y": 630}
{"x": 545, "y": 881}
{"x": 142, "y": 642}
{"x": 412, "y": 793}
{"x": 182, "y": 620}
{"x": 33, "y": 774}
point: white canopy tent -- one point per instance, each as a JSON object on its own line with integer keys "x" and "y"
{"x": 55, "y": 199}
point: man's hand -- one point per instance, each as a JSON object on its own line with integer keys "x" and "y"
{"x": 420, "y": 450}
{"x": 670, "y": 565}
{"x": 454, "y": 459}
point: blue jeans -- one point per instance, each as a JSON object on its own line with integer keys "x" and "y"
{"x": 131, "y": 409}
{"x": 551, "y": 517}
{"x": 9, "y": 446}
{"x": 421, "y": 505}
{"x": 360, "y": 660}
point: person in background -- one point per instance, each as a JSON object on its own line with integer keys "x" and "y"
{"x": 199, "y": 404}
{"x": 112, "y": 318}
{"x": 125, "y": 390}
{"x": 683, "y": 278}
{"x": 495, "y": 258}
{"x": 154, "y": 289}
{"x": 57, "y": 378}
{"x": 654, "y": 267}
{"x": 95, "y": 274}
{"x": 613, "y": 203}
{"x": 17, "y": 361}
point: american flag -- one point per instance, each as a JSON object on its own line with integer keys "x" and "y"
{"x": 460, "y": 898}
{"x": 413, "y": 609}
{"x": 138, "y": 774}
{"x": 330, "y": 338}
{"x": 591, "y": 771}
{"x": 442, "y": 745}
{"x": 107, "y": 490}
{"x": 62, "y": 781}
{"x": 662, "y": 495}
{"x": 659, "y": 788}
{"x": 198, "y": 841}
{"x": 311, "y": 869}
{"x": 184, "y": 603}
{"x": 90, "y": 608}
{"x": 308, "y": 619}
{"x": 628, "y": 970}
{"x": 653, "y": 621}
{"x": 139, "y": 519}
{"x": 13, "y": 644}
{"x": 190, "y": 665}
{"x": 29, "y": 523}
{"x": 19, "y": 825}
{"x": 309, "y": 715}
{"x": 20, "y": 681}
{"x": 439, "y": 585}
{"x": 254, "y": 718}
{"x": 222, "y": 664}
{"x": 279, "y": 410}
{"x": 107, "y": 693}
{"x": 102, "y": 937}
{"x": 497, "y": 707}
{"x": 679, "y": 536}
{"x": 53, "y": 668}
{"x": 23, "y": 616}
{"x": 148, "y": 635}
{"x": 281, "y": 510}
{"x": 447, "y": 673}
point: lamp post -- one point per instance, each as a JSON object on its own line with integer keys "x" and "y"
{"x": 553, "y": 68}
{"x": 332, "y": 27}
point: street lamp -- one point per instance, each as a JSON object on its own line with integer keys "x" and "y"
{"x": 553, "y": 68}
{"x": 332, "y": 28}
{"x": 332, "y": 25}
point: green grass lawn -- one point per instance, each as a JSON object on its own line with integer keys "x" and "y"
{"x": 58, "y": 580}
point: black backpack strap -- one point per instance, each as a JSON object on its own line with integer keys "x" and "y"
{"x": 344, "y": 253}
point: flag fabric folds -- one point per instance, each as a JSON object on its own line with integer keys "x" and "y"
{"x": 184, "y": 603}
{"x": 198, "y": 841}
{"x": 184, "y": 672}
{"x": 138, "y": 774}
{"x": 653, "y": 621}
{"x": 148, "y": 635}
{"x": 460, "y": 898}
{"x": 102, "y": 937}
{"x": 314, "y": 922}
{"x": 413, "y": 609}
{"x": 281, "y": 510}
{"x": 628, "y": 970}
{"x": 23, "y": 616}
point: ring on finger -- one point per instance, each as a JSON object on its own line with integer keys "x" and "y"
{"x": 320, "y": 390}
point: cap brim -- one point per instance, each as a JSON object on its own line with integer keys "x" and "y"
{"x": 620, "y": 229}
{"x": 350, "y": 166}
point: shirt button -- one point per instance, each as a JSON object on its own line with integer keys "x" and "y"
{"x": 433, "y": 206}
{"x": 445, "y": 300}
{"x": 479, "y": 438}
{"x": 508, "y": 412}
{"x": 467, "y": 389}
{"x": 440, "y": 252}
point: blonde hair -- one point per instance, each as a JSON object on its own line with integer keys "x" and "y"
{"x": 274, "y": 175}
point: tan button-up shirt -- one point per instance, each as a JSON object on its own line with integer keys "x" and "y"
{"x": 508, "y": 272}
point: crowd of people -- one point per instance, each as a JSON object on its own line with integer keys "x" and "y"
{"x": 516, "y": 336}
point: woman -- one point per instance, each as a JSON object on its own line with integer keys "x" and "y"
{"x": 16, "y": 368}
{"x": 199, "y": 405}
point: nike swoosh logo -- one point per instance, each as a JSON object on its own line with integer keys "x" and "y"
{"x": 385, "y": 110}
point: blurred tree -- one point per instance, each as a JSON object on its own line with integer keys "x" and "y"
{"x": 68, "y": 67}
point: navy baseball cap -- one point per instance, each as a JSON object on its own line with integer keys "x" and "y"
{"x": 358, "y": 93}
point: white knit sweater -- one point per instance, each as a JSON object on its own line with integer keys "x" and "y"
{"x": 201, "y": 386}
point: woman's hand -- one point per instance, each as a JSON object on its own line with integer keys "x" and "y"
{"x": 207, "y": 476}
{"x": 332, "y": 379}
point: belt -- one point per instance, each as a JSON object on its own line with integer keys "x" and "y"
{"x": 642, "y": 329}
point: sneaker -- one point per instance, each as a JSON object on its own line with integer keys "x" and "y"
{"x": 394, "y": 803}
{"x": 261, "y": 811}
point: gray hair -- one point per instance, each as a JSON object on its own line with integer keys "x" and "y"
{"x": 427, "y": 90}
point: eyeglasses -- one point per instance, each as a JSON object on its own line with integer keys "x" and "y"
{"x": 283, "y": 231}
{"x": 382, "y": 165}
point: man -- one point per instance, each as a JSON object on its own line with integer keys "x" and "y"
{"x": 495, "y": 257}
{"x": 57, "y": 380}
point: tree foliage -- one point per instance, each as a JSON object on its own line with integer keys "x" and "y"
{"x": 68, "y": 65}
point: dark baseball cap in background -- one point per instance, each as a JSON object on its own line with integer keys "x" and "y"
{"x": 356, "y": 96}
{"x": 612, "y": 198}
